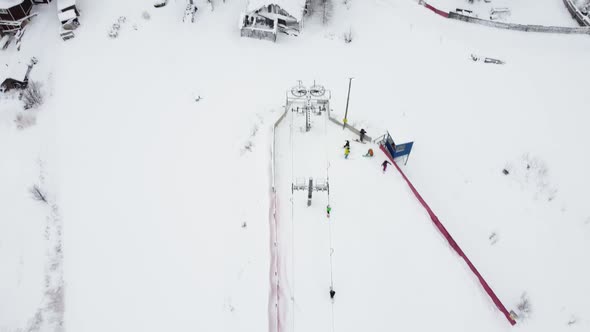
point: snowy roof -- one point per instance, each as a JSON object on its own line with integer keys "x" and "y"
{"x": 16, "y": 71}
{"x": 67, "y": 15}
{"x": 5, "y": 4}
{"x": 295, "y": 8}
{"x": 63, "y": 4}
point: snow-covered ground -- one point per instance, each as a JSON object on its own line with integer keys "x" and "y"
{"x": 153, "y": 188}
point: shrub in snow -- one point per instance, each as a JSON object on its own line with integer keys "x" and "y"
{"x": 114, "y": 33}
{"x": 532, "y": 172}
{"x": 326, "y": 10}
{"x": 25, "y": 119}
{"x": 573, "y": 320}
{"x": 56, "y": 299}
{"x": 524, "y": 306}
{"x": 32, "y": 96}
{"x": 348, "y": 36}
{"x": 537, "y": 171}
{"x": 493, "y": 238}
{"x": 249, "y": 145}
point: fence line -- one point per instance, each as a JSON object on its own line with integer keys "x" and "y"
{"x": 347, "y": 126}
{"x": 582, "y": 20}
{"x": 520, "y": 27}
{"x": 436, "y": 10}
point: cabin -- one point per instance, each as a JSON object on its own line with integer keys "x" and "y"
{"x": 14, "y": 14}
{"x": 263, "y": 19}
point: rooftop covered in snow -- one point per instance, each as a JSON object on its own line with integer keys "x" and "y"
{"x": 64, "y": 4}
{"x": 5, "y": 4}
{"x": 295, "y": 8}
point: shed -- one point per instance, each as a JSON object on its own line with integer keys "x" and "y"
{"x": 65, "y": 5}
{"x": 67, "y": 16}
{"x": 14, "y": 13}
{"x": 67, "y": 13}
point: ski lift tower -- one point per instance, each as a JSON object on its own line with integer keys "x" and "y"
{"x": 310, "y": 186}
{"x": 306, "y": 101}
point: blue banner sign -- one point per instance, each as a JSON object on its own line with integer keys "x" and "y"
{"x": 397, "y": 150}
{"x": 402, "y": 149}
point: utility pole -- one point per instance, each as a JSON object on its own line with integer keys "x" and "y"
{"x": 345, "y": 121}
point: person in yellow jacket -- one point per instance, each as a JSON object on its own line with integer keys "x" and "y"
{"x": 346, "y": 152}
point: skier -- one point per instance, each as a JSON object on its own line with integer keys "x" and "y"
{"x": 347, "y": 144}
{"x": 385, "y": 163}
{"x": 346, "y": 153}
{"x": 332, "y": 293}
{"x": 369, "y": 153}
{"x": 363, "y": 132}
{"x": 328, "y": 210}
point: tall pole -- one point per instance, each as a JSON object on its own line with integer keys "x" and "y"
{"x": 345, "y": 121}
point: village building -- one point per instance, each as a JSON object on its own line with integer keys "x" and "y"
{"x": 14, "y": 14}
{"x": 264, "y": 19}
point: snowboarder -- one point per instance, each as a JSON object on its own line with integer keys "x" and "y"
{"x": 384, "y": 164}
{"x": 369, "y": 153}
{"x": 346, "y": 153}
{"x": 363, "y": 132}
{"x": 328, "y": 210}
{"x": 332, "y": 293}
{"x": 347, "y": 144}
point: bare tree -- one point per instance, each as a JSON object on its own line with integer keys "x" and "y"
{"x": 348, "y": 36}
{"x": 326, "y": 8}
{"x": 524, "y": 306}
{"x": 32, "y": 96}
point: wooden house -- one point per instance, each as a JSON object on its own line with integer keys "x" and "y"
{"x": 14, "y": 14}
{"x": 263, "y": 19}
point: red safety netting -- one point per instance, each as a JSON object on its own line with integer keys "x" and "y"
{"x": 452, "y": 242}
{"x": 274, "y": 299}
{"x": 437, "y": 11}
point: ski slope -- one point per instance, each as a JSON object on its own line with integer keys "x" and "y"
{"x": 385, "y": 260}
